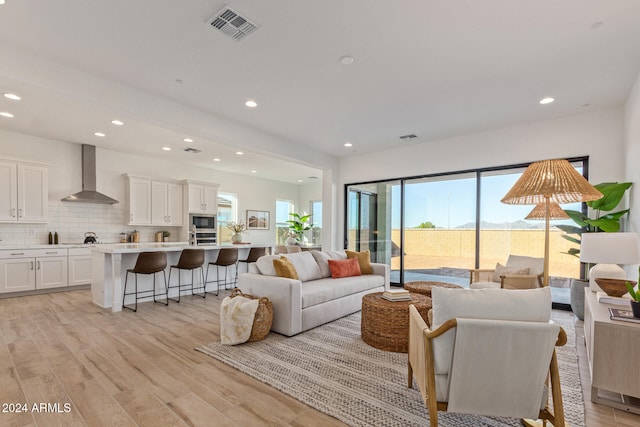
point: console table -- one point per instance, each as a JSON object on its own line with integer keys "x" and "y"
{"x": 613, "y": 350}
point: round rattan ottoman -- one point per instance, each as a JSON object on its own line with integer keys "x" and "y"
{"x": 385, "y": 324}
{"x": 423, "y": 287}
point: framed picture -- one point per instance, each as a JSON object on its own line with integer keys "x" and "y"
{"x": 257, "y": 220}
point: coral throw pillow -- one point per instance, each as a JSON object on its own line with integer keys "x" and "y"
{"x": 284, "y": 268}
{"x": 344, "y": 268}
{"x": 364, "y": 259}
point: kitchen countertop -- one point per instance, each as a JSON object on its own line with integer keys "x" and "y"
{"x": 123, "y": 248}
{"x": 59, "y": 246}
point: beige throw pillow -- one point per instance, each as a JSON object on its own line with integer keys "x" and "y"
{"x": 501, "y": 270}
{"x": 284, "y": 268}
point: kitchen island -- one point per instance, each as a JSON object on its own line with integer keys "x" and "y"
{"x": 109, "y": 265}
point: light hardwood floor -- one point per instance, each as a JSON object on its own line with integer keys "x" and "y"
{"x": 141, "y": 369}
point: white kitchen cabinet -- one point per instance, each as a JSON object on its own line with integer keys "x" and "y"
{"x": 79, "y": 266}
{"x": 24, "y": 192}
{"x": 32, "y": 269}
{"x": 17, "y": 274}
{"x": 203, "y": 197}
{"x": 51, "y": 271}
{"x": 166, "y": 202}
{"x": 139, "y": 199}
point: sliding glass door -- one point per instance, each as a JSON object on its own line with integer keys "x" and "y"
{"x": 437, "y": 227}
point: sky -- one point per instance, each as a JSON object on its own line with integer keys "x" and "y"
{"x": 451, "y": 203}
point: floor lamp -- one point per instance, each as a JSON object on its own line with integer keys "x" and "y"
{"x": 546, "y": 182}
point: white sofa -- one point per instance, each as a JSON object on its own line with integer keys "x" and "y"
{"x": 299, "y": 305}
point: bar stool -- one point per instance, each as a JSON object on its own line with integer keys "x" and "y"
{"x": 254, "y": 254}
{"x": 280, "y": 249}
{"x": 190, "y": 260}
{"x": 147, "y": 263}
{"x": 291, "y": 249}
{"x": 226, "y": 258}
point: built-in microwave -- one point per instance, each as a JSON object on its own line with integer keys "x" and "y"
{"x": 202, "y": 222}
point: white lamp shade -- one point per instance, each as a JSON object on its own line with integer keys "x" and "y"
{"x": 607, "y": 250}
{"x": 610, "y": 248}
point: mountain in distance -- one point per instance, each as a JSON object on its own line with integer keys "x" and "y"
{"x": 517, "y": 225}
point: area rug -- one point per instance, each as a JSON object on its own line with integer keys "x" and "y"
{"x": 332, "y": 370}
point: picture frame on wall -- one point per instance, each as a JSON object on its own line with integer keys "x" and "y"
{"x": 257, "y": 220}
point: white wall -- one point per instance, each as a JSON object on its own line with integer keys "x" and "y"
{"x": 598, "y": 134}
{"x": 631, "y": 151}
{"x": 71, "y": 220}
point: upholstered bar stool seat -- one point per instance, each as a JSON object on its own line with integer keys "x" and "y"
{"x": 227, "y": 257}
{"x": 254, "y": 254}
{"x": 147, "y": 263}
{"x": 190, "y": 260}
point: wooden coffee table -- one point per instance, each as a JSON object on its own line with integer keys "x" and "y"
{"x": 424, "y": 287}
{"x": 385, "y": 324}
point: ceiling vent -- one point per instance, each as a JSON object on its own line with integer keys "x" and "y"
{"x": 409, "y": 136}
{"x": 192, "y": 150}
{"x": 233, "y": 24}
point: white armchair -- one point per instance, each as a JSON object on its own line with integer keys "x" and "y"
{"x": 520, "y": 272}
{"x": 488, "y": 352}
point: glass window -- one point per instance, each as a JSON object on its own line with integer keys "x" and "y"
{"x": 227, "y": 212}
{"x": 283, "y": 209}
{"x": 434, "y": 227}
{"x": 316, "y": 219}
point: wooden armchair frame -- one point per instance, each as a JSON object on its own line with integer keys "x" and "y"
{"x": 507, "y": 281}
{"x": 556, "y": 417}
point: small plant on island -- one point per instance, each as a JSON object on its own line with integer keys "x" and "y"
{"x": 635, "y": 295}
{"x": 236, "y": 227}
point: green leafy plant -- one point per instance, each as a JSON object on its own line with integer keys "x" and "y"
{"x": 635, "y": 295}
{"x": 166, "y": 233}
{"x": 299, "y": 224}
{"x": 603, "y": 221}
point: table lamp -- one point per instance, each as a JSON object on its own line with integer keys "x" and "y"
{"x": 608, "y": 250}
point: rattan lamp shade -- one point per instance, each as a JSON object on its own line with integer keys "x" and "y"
{"x": 555, "y": 179}
{"x": 555, "y": 212}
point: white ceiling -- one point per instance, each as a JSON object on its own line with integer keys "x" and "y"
{"x": 432, "y": 68}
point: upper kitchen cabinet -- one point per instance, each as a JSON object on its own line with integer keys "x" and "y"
{"x": 166, "y": 203}
{"x": 202, "y": 197}
{"x": 24, "y": 192}
{"x": 154, "y": 201}
{"x": 138, "y": 196}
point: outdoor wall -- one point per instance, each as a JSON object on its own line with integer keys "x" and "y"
{"x": 436, "y": 248}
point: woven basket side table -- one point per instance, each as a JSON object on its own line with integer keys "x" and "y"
{"x": 424, "y": 287}
{"x": 385, "y": 324}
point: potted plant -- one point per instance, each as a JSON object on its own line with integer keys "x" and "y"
{"x": 237, "y": 228}
{"x": 165, "y": 236}
{"x": 635, "y": 297}
{"x": 298, "y": 225}
{"x": 612, "y": 193}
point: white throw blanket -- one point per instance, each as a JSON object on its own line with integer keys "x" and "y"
{"x": 236, "y": 319}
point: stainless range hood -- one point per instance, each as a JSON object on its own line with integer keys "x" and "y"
{"x": 89, "y": 193}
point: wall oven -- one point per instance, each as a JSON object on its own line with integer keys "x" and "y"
{"x": 204, "y": 229}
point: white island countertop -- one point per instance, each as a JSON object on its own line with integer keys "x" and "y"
{"x": 110, "y": 262}
{"x": 128, "y": 248}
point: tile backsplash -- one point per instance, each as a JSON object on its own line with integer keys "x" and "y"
{"x": 72, "y": 220}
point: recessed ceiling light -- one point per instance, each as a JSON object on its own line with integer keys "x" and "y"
{"x": 254, "y": 171}
{"x": 299, "y": 180}
{"x": 216, "y": 159}
{"x": 5, "y": 114}
{"x": 12, "y": 96}
{"x": 100, "y": 134}
{"x": 346, "y": 60}
{"x": 188, "y": 140}
{"x": 348, "y": 144}
{"x": 547, "y": 100}
{"x": 117, "y": 122}
{"x": 239, "y": 153}
{"x": 166, "y": 148}
{"x": 251, "y": 103}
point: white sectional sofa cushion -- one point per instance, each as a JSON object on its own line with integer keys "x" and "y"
{"x": 315, "y": 298}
